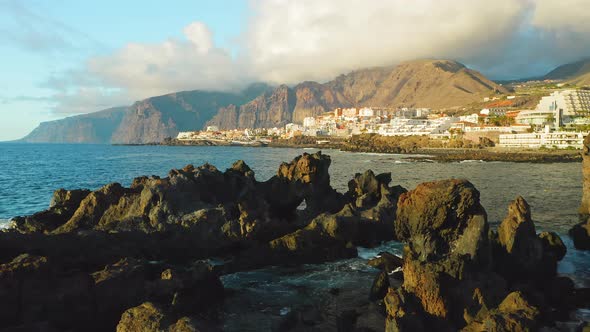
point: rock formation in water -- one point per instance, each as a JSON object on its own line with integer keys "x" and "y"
{"x": 139, "y": 258}
{"x": 459, "y": 275}
{"x": 580, "y": 233}
{"x": 138, "y": 255}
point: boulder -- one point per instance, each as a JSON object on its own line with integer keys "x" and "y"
{"x": 386, "y": 262}
{"x": 553, "y": 245}
{"x": 189, "y": 289}
{"x": 441, "y": 218}
{"x": 521, "y": 254}
{"x": 515, "y": 313}
{"x": 376, "y": 203}
{"x": 305, "y": 178}
{"x": 447, "y": 258}
{"x": 150, "y": 317}
{"x": 379, "y": 287}
{"x": 327, "y": 237}
{"x": 403, "y": 312}
{"x": 63, "y": 205}
{"x": 117, "y": 287}
{"x": 34, "y": 290}
{"x": 580, "y": 234}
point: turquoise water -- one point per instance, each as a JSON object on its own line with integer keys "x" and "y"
{"x": 30, "y": 173}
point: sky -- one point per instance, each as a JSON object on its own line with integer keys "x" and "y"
{"x": 60, "y": 58}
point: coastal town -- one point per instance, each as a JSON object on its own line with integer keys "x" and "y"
{"x": 560, "y": 120}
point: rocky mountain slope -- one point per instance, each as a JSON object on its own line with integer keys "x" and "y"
{"x": 577, "y": 73}
{"x": 424, "y": 83}
{"x": 153, "y": 119}
{"x": 146, "y": 121}
{"x": 95, "y": 127}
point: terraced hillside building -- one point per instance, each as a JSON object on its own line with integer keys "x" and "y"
{"x": 572, "y": 102}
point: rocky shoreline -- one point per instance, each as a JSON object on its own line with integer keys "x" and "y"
{"x": 150, "y": 257}
{"x": 416, "y": 149}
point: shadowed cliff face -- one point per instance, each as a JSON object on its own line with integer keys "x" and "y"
{"x": 154, "y": 119}
{"x": 424, "y": 83}
{"x": 88, "y": 128}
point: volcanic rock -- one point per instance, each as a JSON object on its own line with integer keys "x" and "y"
{"x": 580, "y": 233}
{"x": 386, "y": 262}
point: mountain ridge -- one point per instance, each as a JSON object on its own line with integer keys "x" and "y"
{"x": 436, "y": 84}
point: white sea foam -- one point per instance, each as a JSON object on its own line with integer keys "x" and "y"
{"x": 4, "y": 223}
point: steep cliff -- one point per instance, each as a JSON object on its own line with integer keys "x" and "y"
{"x": 146, "y": 121}
{"x": 153, "y": 119}
{"x": 425, "y": 83}
{"x": 95, "y": 127}
{"x": 280, "y": 106}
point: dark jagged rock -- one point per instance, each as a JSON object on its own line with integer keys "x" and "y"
{"x": 379, "y": 287}
{"x": 100, "y": 253}
{"x": 63, "y": 205}
{"x": 386, "y": 262}
{"x": 520, "y": 250}
{"x": 306, "y": 178}
{"x": 37, "y": 290}
{"x": 521, "y": 254}
{"x": 513, "y": 314}
{"x": 149, "y": 317}
{"x": 441, "y": 218}
{"x": 458, "y": 275}
{"x": 376, "y": 202}
{"x": 580, "y": 233}
{"x": 94, "y": 255}
{"x": 553, "y": 245}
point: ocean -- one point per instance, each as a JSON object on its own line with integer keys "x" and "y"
{"x": 31, "y": 172}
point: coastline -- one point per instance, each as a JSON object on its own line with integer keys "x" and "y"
{"x": 415, "y": 153}
{"x": 187, "y": 248}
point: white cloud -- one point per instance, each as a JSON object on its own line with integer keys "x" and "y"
{"x": 306, "y": 39}
{"x": 562, "y": 16}
{"x": 139, "y": 71}
{"x": 200, "y": 36}
{"x": 291, "y": 41}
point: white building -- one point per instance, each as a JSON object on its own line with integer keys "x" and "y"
{"x": 570, "y": 103}
{"x": 407, "y": 127}
{"x": 473, "y": 118}
{"x": 212, "y": 128}
{"x": 309, "y": 122}
{"x": 559, "y": 139}
{"x": 537, "y": 117}
{"x": 187, "y": 135}
{"x": 366, "y": 111}
{"x": 291, "y": 127}
{"x": 350, "y": 112}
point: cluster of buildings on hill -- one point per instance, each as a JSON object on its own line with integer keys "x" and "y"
{"x": 543, "y": 126}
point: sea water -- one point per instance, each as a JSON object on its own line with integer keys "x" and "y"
{"x": 29, "y": 173}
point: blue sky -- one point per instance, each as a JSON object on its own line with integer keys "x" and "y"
{"x": 60, "y": 58}
{"x": 42, "y": 38}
